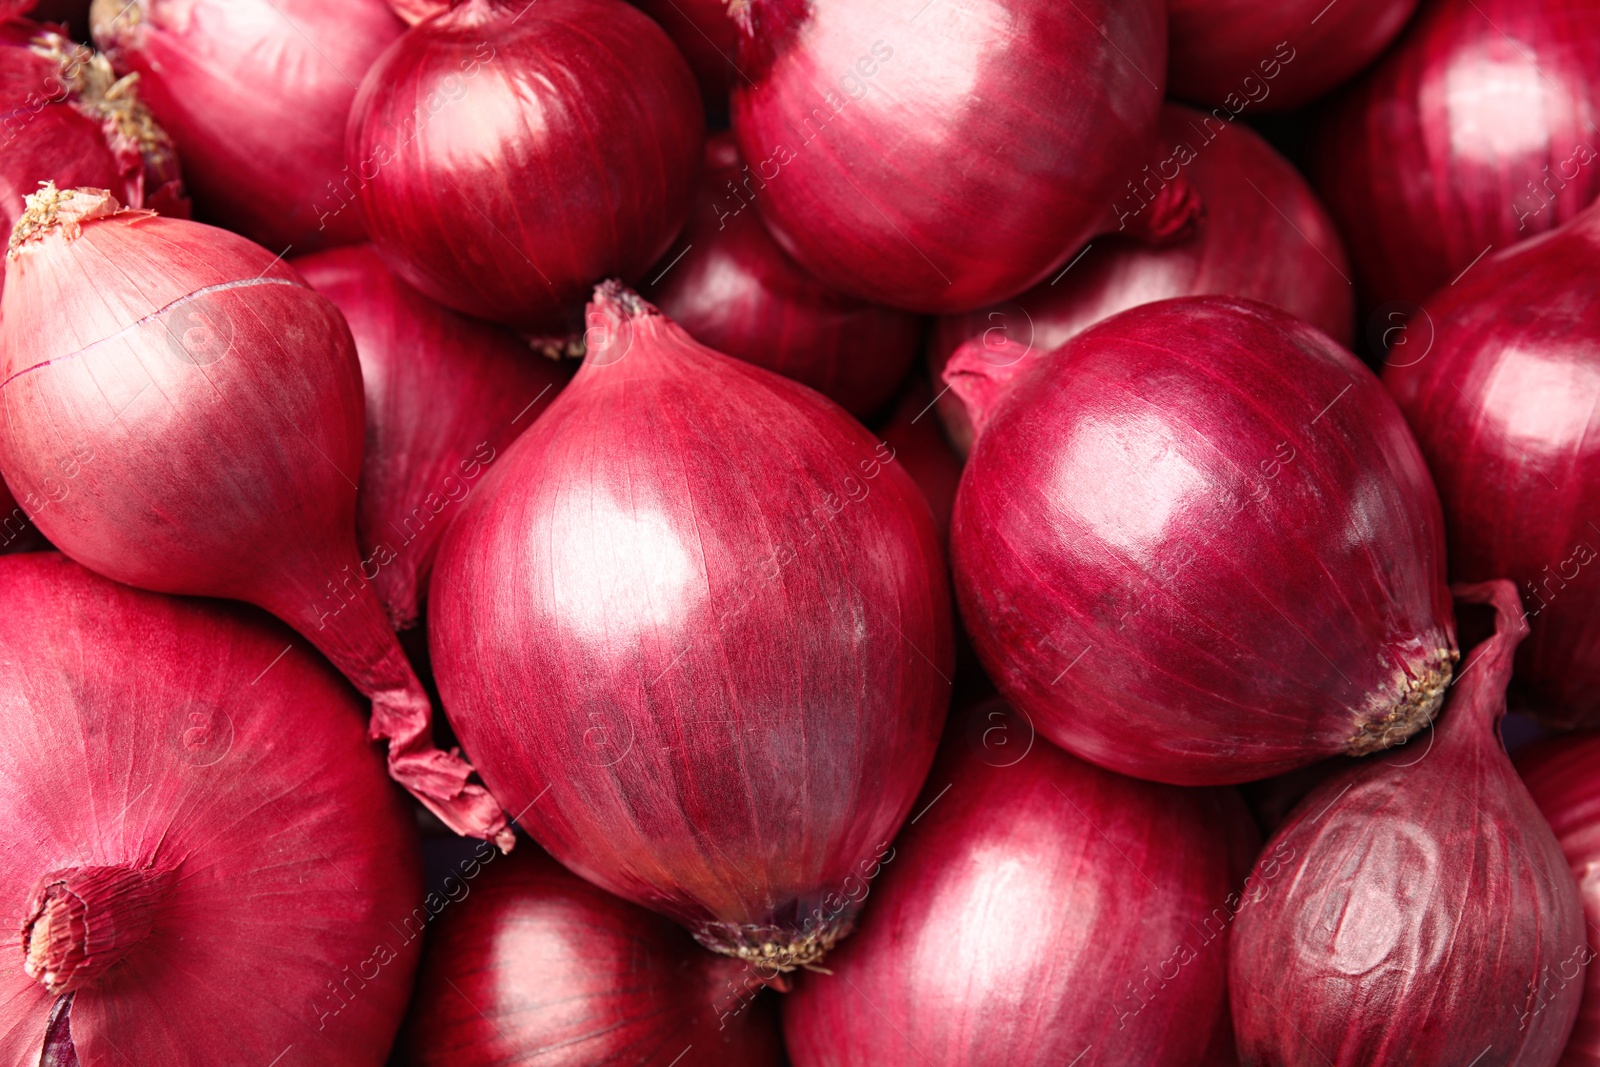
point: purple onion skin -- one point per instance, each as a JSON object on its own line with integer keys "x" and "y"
{"x": 1198, "y": 545}
{"x": 1423, "y": 903}
{"x": 1500, "y": 380}
{"x": 1040, "y": 909}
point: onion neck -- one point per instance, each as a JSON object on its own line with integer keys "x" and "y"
{"x": 1168, "y": 218}
{"x": 980, "y": 373}
{"x": 1479, "y": 700}
{"x": 83, "y": 921}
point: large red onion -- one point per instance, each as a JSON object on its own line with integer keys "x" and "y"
{"x": 736, "y": 291}
{"x": 201, "y": 856}
{"x": 1198, "y": 545}
{"x": 1476, "y": 131}
{"x": 256, "y": 94}
{"x": 513, "y": 154}
{"x": 1424, "y": 905}
{"x": 1505, "y": 402}
{"x": 1263, "y": 235}
{"x": 707, "y": 36}
{"x": 445, "y": 394}
{"x": 940, "y": 157}
{"x": 182, "y": 413}
{"x": 696, "y": 625}
{"x": 538, "y": 966}
{"x": 1039, "y": 911}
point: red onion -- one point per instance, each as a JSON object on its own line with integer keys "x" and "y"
{"x": 182, "y": 413}
{"x": 445, "y": 394}
{"x": 538, "y": 966}
{"x": 513, "y": 154}
{"x": 913, "y": 432}
{"x": 696, "y": 627}
{"x": 201, "y": 856}
{"x": 1476, "y": 131}
{"x": 941, "y": 157}
{"x": 1274, "y": 57}
{"x": 1198, "y": 545}
{"x": 706, "y": 35}
{"x": 736, "y": 291}
{"x": 1039, "y": 908}
{"x": 1263, "y": 236}
{"x": 1422, "y": 904}
{"x": 1503, "y": 400}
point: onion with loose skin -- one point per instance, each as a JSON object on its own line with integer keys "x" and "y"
{"x": 538, "y": 966}
{"x": 201, "y": 855}
{"x": 736, "y": 291}
{"x": 1475, "y": 132}
{"x": 445, "y": 395}
{"x": 708, "y": 38}
{"x": 1040, "y": 912}
{"x": 1505, "y": 402}
{"x": 1263, "y": 236}
{"x": 514, "y": 154}
{"x": 256, "y": 94}
{"x": 1198, "y": 545}
{"x": 1426, "y": 902}
{"x": 695, "y": 629}
{"x": 183, "y": 414}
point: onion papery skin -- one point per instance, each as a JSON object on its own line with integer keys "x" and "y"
{"x": 1040, "y": 909}
{"x": 942, "y": 159}
{"x": 519, "y": 154}
{"x": 1263, "y": 236}
{"x": 712, "y": 664}
{"x": 538, "y": 966}
{"x": 1277, "y": 57}
{"x": 1420, "y": 903}
{"x": 256, "y": 93}
{"x": 1474, "y": 132}
{"x": 707, "y": 36}
{"x": 200, "y": 749}
{"x": 1198, "y": 545}
{"x": 737, "y": 292}
{"x": 1504, "y": 404}
{"x": 184, "y": 414}
{"x": 445, "y": 395}
{"x": 919, "y": 446}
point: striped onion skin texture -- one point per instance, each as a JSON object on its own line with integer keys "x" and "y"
{"x": 511, "y": 155}
{"x": 1426, "y": 909}
{"x": 1474, "y": 132}
{"x": 1500, "y": 379}
{"x": 1197, "y": 544}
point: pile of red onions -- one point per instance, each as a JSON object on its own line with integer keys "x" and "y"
{"x": 256, "y": 94}
{"x": 1197, "y": 544}
{"x": 183, "y": 414}
{"x": 1423, "y": 890}
{"x": 202, "y": 857}
{"x": 706, "y": 668}
{"x": 1505, "y": 402}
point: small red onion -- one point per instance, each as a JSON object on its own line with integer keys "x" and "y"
{"x": 1198, "y": 545}
{"x": 201, "y": 854}
{"x": 707, "y": 36}
{"x": 513, "y": 154}
{"x": 919, "y": 447}
{"x": 1039, "y": 911}
{"x": 736, "y": 291}
{"x": 445, "y": 395}
{"x": 1421, "y": 904}
{"x": 695, "y": 629}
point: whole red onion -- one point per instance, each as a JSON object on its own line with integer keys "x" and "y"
{"x": 1039, "y": 911}
{"x": 513, "y": 154}
{"x": 695, "y": 628}
{"x": 1504, "y": 401}
{"x": 736, "y": 291}
{"x": 707, "y": 36}
{"x": 201, "y": 856}
{"x": 445, "y": 394}
{"x": 1263, "y": 236}
{"x": 940, "y": 157}
{"x": 538, "y": 966}
{"x": 1476, "y": 131}
{"x": 1197, "y": 544}
{"x": 1424, "y": 904}
{"x": 919, "y": 447}
{"x": 1236, "y": 54}
{"x": 256, "y": 94}
{"x": 182, "y": 413}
